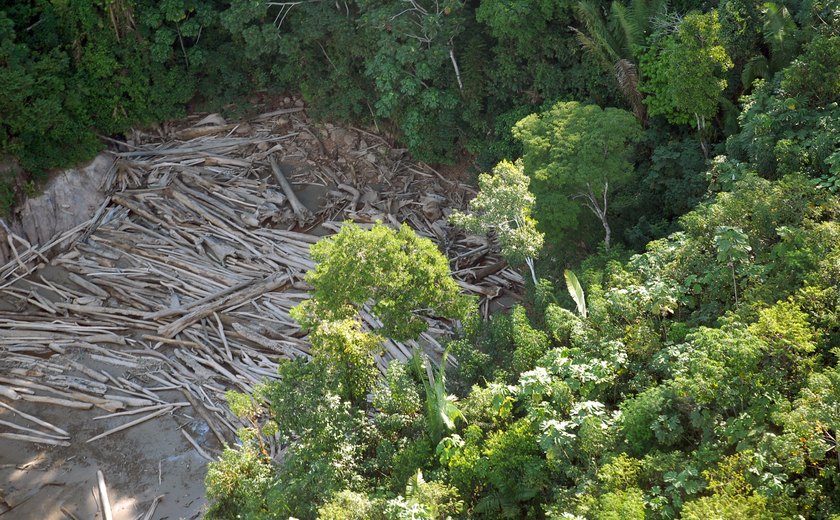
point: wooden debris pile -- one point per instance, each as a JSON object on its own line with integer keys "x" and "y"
{"x": 181, "y": 284}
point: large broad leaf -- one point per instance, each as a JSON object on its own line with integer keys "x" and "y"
{"x": 576, "y": 291}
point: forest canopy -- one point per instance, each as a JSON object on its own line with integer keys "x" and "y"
{"x": 667, "y": 173}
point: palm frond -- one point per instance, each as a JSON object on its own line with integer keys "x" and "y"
{"x": 628, "y": 82}
{"x": 631, "y": 32}
{"x": 441, "y": 410}
{"x": 576, "y": 291}
{"x": 596, "y": 31}
{"x": 592, "y": 47}
{"x": 757, "y": 67}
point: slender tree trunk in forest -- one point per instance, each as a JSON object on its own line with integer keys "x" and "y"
{"x": 734, "y": 280}
{"x": 607, "y": 233}
{"x": 530, "y": 262}
{"x": 701, "y": 125}
{"x": 599, "y": 208}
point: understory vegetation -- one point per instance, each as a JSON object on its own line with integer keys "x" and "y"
{"x": 666, "y": 175}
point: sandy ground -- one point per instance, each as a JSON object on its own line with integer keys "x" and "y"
{"x": 140, "y": 463}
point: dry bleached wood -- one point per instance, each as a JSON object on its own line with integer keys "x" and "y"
{"x": 30, "y": 430}
{"x": 58, "y": 402}
{"x": 36, "y": 420}
{"x": 132, "y": 423}
{"x": 259, "y": 288}
{"x": 151, "y": 511}
{"x": 201, "y": 410}
{"x": 31, "y": 438}
{"x": 271, "y": 344}
{"x": 195, "y": 445}
{"x": 144, "y": 276}
{"x": 9, "y": 393}
{"x": 301, "y": 212}
{"x": 103, "y": 496}
{"x": 207, "y": 299}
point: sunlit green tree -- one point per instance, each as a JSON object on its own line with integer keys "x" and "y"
{"x": 504, "y": 205}
{"x": 402, "y": 276}
{"x": 576, "y": 153}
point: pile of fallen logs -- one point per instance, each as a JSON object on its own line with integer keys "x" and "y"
{"x": 183, "y": 281}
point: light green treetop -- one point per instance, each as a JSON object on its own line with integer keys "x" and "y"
{"x": 401, "y": 275}
{"x": 345, "y": 353}
{"x": 504, "y": 205}
{"x": 686, "y": 77}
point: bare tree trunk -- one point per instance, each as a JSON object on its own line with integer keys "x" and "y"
{"x": 530, "y": 262}
{"x": 607, "y": 233}
{"x": 701, "y": 125}
{"x": 599, "y": 208}
{"x": 734, "y": 280}
{"x": 455, "y": 66}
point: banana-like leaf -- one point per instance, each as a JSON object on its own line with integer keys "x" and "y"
{"x": 576, "y": 291}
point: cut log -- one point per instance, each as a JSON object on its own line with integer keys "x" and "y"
{"x": 491, "y": 269}
{"x": 195, "y": 445}
{"x": 259, "y": 288}
{"x": 130, "y": 424}
{"x": 36, "y": 420}
{"x": 58, "y": 402}
{"x": 302, "y": 213}
{"x": 8, "y": 393}
{"x": 31, "y": 438}
{"x": 200, "y": 410}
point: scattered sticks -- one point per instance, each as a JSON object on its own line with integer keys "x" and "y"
{"x": 185, "y": 278}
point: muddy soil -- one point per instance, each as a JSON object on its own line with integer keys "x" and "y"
{"x": 57, "y": 483}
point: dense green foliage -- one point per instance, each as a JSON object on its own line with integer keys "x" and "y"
{"x": 668, "y": 399}
{"x": 400, "y": 274}
{"x": 436, "y": 74}
{"x": 696, "y": 378}
{"x": 504, "y": 205}
{"x": 691, "y": 371}
{"x": 576, "y": 154}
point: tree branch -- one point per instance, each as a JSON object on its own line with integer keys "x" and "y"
{"x": 455, "y": 66}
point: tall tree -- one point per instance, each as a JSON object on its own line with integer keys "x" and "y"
{"x": 733, "y": 247}
{"x": 576, "y": 152}
{"x": 687, "y": 73}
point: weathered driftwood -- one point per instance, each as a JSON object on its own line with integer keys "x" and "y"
{"x": 86, "y": 371}
{"x": 34, "y": 419}
{"x": 202, "y": 411}
{"x": 185, "y": 279}
{"x": 58, "y": 402}
{"x": 9, "y": 393}
{"x": 195, "y": 445}
{"x": 35, "y": 439}
{"x": 258, "y": 288}
{"x": 103, "y": 496}
{"x": 131, "y": 423}
{"x": 30, "y": 430}
{"x": 141, "y": 410}
{"x": 151, "y": 511}
{"x": 301, "y": 212}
